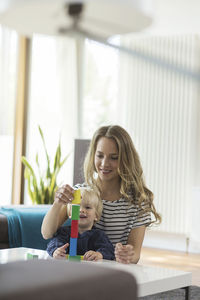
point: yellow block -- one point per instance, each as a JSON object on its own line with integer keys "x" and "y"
{"x": 77, "y": 197}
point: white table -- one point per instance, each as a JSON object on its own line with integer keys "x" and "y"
{"x": 16, "y": 254}
{"x": 150, "y": 280}
{"x": 153, "y": 280}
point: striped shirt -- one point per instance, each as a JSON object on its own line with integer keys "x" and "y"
{"x": 119, "y": 217}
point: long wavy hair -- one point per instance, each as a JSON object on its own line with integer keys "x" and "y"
{"x": 132, "y": 185}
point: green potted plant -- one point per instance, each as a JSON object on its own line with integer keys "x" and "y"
{"x": 41, "y": 190}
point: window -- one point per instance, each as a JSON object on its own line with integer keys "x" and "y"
{"x": 52, "y": 102}
{"x": 100, "y": 87}
{"x": 8, "y": 80}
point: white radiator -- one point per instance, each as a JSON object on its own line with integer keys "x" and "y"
{"x": 160, "y": 109}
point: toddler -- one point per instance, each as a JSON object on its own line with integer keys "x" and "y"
{"x": 92, "y": 243}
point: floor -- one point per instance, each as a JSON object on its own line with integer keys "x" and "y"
{"x": 176, "y": 260}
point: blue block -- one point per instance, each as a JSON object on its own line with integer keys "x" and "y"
{"x": 73, "y": 246}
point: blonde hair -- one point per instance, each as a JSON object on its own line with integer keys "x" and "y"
{"x": 93, "y": 196}
{"x": 132, "y": 185}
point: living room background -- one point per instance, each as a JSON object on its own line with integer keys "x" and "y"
{"x": 109, "y": 89}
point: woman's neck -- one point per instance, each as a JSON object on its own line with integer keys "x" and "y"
{"x": 110, "y": 190}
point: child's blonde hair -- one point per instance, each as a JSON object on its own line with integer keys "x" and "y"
{"x": 92, "y": 195}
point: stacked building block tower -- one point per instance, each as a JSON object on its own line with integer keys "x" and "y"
{"x": 75, "y": 215}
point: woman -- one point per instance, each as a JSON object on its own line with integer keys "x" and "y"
{"x": 112, "y": 165}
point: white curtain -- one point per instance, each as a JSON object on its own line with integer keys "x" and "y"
{"x": 160, "y": 109}
{"x": 53, "y": 101}
{"x": 8, "y": 78}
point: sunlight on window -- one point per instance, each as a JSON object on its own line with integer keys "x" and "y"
{"x": 100, "y": 87}
{"x": 50, "y": 99}
{"x": 8, "y": 63}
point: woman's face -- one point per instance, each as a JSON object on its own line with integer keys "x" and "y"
{"x": 107, "y": 159}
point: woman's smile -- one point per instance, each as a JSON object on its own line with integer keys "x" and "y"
{"x": 105, "y": 171}
{"x": 106, "y": 159}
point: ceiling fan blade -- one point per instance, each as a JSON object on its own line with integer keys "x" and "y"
{"x": 148, "y": 58}
{"x": 102, "y": 17}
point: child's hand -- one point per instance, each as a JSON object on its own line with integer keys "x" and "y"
{"x": 124, "y": 253}
{"x": 92, "y": 256}
{"x": 60, "y": 252}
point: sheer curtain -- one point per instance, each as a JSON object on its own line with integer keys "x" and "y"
{"x": 53, "y": 101}
{"x": 100, "y": 87}
{"x": 161, "y": 109}
{"x": 8, "y": 68}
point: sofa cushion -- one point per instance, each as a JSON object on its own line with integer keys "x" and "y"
{"x": 4, "y": 243}
{"x": 24, "y": 225}
{"x": 58, "y": 279}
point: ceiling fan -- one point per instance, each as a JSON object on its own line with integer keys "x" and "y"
{"x": 93, "y": 19}
{"x": 99, "y": 17}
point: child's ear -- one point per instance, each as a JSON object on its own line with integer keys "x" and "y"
{"x": 69, "y": 210}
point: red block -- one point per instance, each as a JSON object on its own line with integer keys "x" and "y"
{"x": 74, "y": 228}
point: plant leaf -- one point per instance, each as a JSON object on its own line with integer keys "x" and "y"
{"x": 63, "y": 161}
{"x": 45, "y": 149}
{"x": 42, "y": 191}
{"x": 27, "y": 165}
{"x": 57, "y": 157}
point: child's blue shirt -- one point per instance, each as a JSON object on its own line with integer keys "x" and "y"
{"x": 94, "y": 239}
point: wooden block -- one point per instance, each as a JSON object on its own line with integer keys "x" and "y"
{"x": 77, "y": 197}
{"x": 73, "y": 246}
{"x": 74, "y": 228}
{"x": 75, "y": 212}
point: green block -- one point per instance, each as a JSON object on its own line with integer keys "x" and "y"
{"x": 75, "y": 258}
{"x": 31, "y": 256}
{"x": 75, "y": 212}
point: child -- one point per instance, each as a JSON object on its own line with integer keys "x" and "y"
{"x": 92, "y": 242}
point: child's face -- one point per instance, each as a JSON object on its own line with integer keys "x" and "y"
{"x": 87, "y": 214}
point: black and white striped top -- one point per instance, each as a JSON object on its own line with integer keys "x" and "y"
{"x": 119, "y": 217}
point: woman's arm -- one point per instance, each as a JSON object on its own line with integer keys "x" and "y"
{"x": 54, "y": 218}
{"x": 57, "y": 214}
{"x": 130, "y": 253}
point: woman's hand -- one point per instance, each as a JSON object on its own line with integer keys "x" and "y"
{"x": 58, "y": 213}
{"x": 92, "y": 256}
{"x": 124, "y": 253}
{"x": 64, "y": 194}
{"x": 60, "y": 252}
